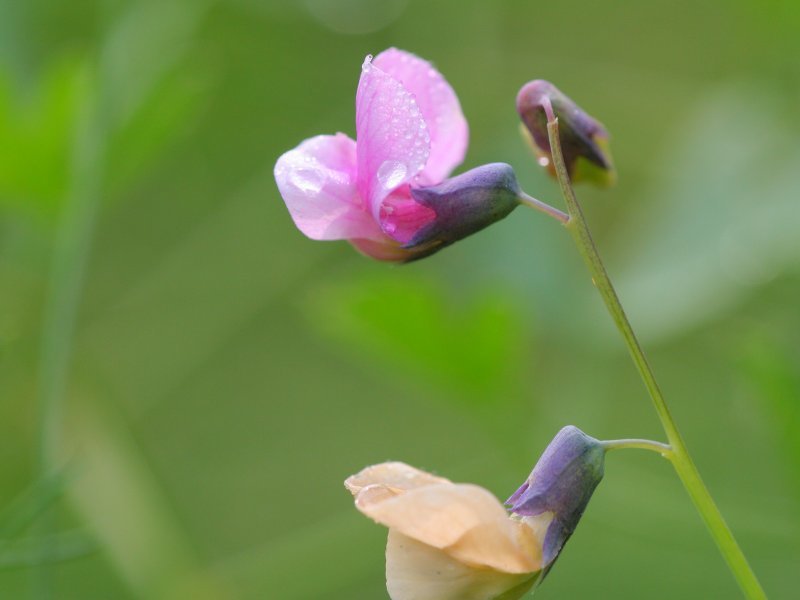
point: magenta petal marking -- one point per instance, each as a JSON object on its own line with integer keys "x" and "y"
{"x": 449, "y": 133}
{"x": 402, "y": 216}
{"x": 393, "y": 140}
{"x": 317, "y": 181}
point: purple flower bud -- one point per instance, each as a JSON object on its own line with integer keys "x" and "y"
{"x": 584, "y": 140}
{"x": 464, "y": 204}
{"x": 561, "y": 484}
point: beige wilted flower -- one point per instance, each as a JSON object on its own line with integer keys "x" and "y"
{"x": 448, "y": 541}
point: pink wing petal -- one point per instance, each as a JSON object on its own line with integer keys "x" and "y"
{"x": 393, "y": 140}
{"x": 440, "y": 108}
{"x": 317, "y": 181}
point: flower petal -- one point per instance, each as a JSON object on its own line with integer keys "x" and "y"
{"x": 402, "y": 217}
{"x": 440, "y": 108}
{"x": 397, "y": 475}
{"x": 417, "y": 571}
{"x": 393, "y": 141}
{"x": 317, "y": 181}
{"x": 464, "y": 520}
{"x": 388, "y": 250}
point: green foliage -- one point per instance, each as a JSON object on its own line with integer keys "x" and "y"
{"x": 472, "y": 346}
{"x": 30, "y": 506}
{"x": 36, "y": 132}
{"x": 772, "y": 368}
{"x": 721, "y": 220}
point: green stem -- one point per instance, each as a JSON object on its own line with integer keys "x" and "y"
{"x": 70, "y": 256}
{"x": 664, "y": 450}
{"x": 543, "y": 207}
{"x": 681, "y": 460}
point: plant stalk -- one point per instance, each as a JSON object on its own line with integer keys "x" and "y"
{"x": 542, "y": 207}
{"x": 664, "y": 450}
{"x": 67, "y": 271}
{"x": 679, "y": 455}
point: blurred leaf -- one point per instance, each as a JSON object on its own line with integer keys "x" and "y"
{"x": 123, "y": 504}
{"x": 59, "y": 547}
{"x": 722, "y": 221}
{"x": 149, "y": 98}
{"x": 30, "y": 505}
{"x": 147, "y": 42}
{"x": 163, "y": 115}
{"x": 143, "y": 105}
{"x": 36, "y": 136}
{"x": 773, "y": 370}
{"x": 229, "y": 248}
{"x": 471, "y": 346}
{"x": 274, "y": 569}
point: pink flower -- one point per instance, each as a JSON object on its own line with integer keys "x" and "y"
{"x": 410, "y": 132}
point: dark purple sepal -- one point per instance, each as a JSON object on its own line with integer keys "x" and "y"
{"x": 562, "y": 483}
{"x": 464, "y": 205}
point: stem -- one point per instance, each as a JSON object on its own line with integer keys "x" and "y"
{"x": 664, "y": 450}
{"x": 70, "y": 256}
{"x": 535, "y": 204}
{"x": 681, "y": 460}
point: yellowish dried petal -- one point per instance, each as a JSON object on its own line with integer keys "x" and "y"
{"x": 465, "y": 521}
{"x": 392, "y": 475}
{"x": 416, "y": 571}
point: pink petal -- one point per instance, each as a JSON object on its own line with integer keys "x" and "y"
{"x": 402, "y": 217}
{"x": 387, "y": 250}
{"x": 393, "y": 141}
{"x": 317, "y": 181}
{"x": 440, "y": 108}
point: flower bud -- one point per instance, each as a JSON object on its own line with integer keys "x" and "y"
{"x": 464, "y": 205}
{"x": 560, "y": 486}
{"x": 584, "y": 140}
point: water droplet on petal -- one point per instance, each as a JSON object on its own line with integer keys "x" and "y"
{"x": 308, "y": 181}
{"x": 391, "y": 173}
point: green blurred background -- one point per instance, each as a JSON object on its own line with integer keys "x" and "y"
{"x": 224, "y": 374}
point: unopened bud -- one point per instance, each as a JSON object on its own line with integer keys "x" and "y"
{"x": 584, "y": 140}
{"x": 560, "y": 486}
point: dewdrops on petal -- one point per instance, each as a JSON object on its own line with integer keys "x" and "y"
{"x": 410, "y": 130}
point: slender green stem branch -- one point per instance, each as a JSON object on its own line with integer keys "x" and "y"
{"x": 664, "y": 450}
{"x": 70, "y": 256}
{"x": 543, "y": 207}
{"x": 681, "y": 460}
